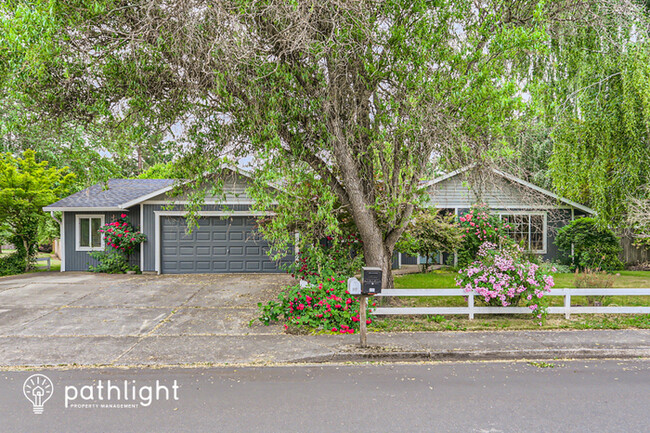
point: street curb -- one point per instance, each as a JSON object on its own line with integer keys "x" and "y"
{"x": 479, "y": 355}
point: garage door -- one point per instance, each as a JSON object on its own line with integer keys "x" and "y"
{"x": 217, "y": 246}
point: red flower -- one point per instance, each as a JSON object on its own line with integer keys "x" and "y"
{"x": 123, "y": 215}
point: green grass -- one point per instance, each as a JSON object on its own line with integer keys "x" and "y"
{"x": 445, "y": 279}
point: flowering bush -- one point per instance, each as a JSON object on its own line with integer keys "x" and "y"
{"x": 478, "y": 227}
{"x": 326, "y": 306}
{"x": 503, "y": 278}
{"x": 122, "y": 236}
{"x": 121, "y": 239}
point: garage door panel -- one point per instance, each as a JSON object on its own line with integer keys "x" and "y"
{"x": 253, "y": 251}
{"x": 236, "y": 265}
{"x": 203, "y": 266}
{"x": 184, "y": 236}
{"x": 170, "y": 265}
{"x": 186, "y": 251}
{"x": 203, "y": 236}
{"x": 219, "y": 265}
{"x": 217, "y": 245}
{"x": 219, "y": 251}
{"x": 169, "y": 236}
{"x": 219, "y": 236}
{"x": 169, "y": 251}
{"x": 235, "y": 236}
{"x": 253, "y": 266}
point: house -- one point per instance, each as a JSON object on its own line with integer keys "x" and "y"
{"x": 534, "y": 213}
{"x": 226, "y": 239}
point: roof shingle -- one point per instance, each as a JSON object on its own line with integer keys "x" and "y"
{"x": 118, "y": 193}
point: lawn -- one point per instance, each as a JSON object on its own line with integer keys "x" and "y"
{"x": 445, "y": 279}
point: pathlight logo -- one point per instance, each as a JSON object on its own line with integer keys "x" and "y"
{"x": 118, "y": 394}
{"x": 38, "y": 389}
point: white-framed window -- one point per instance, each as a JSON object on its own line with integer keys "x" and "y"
{"x": 88, "y": 236}
{"x": 528, "y": 229}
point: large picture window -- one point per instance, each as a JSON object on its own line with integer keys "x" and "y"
{"x": 528, "y": 230}
{"x": 89, "y": 238}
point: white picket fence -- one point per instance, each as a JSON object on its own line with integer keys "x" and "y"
{"x": 471, "y": 309}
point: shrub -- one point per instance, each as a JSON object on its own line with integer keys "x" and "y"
{"x": 502, "y": 278}
{"x": 428, "y": 233}
{"x": 590, "y": 278}
{"x": 122, "y": 239}
{"x": 478, "y": 227}
{"x": 324, "y": 306}
{"x": 12, "y": 264}
{"x": 111, "y": 262}
{"x": 594, "y": 247}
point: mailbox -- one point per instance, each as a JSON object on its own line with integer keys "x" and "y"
{"x": 371, "y": 281}
{"x": 354, "y": 286}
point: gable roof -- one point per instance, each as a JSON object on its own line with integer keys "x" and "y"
{"x": 120, "y": 194}
{"x": 124, "y": 193}
{"x": 514, "y": 179}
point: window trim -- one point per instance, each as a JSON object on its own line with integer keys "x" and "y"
{"x": 545, "y": 228}
{"x": 77, "y": 224}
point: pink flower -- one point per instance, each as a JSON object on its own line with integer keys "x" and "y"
{"x": 123, "y": 215}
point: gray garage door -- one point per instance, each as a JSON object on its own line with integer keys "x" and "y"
{"x": 217, "y": 246}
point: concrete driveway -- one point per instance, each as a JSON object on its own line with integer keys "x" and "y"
{"x": 86, "y": 318}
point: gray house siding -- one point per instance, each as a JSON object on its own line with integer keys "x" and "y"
{"x": 80, "y": 260}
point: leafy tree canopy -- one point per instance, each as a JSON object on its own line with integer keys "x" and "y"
{"x": 592, "y": 87}
{"x": 351, "y": 99}
{"x": 26, "y": 186}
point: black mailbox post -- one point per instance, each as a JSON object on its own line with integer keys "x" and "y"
{"x": 371, "y": 282}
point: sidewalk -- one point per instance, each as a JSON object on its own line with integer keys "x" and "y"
{"x": 263, "y": 349}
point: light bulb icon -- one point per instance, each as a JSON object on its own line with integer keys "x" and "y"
{"x": 38, "y": 389}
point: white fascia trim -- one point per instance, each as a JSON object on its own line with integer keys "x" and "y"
{"x": 83, "y": 209}
{"x": 211, "y": 213}
{"x": 77, "y": 229}
{"x": 157, "y": 238}
{"x": 142, "y": 231}
{"x": 206, "y": 202}
{"x": 448, "y": 175}
{"x": 147, "y": 196}
{"x": 161, "y": 213}
{"x": 532, "y": 207}
{"x": 62, "y": 237}
{"x": 544, "y": 191}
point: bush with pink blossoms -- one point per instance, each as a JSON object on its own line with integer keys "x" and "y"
{"x": 479, "y": 226}
{"x": 501, "y": 277}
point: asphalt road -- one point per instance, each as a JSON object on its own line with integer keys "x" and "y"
{"x": 575, "y": 396}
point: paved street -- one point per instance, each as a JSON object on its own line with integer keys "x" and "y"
{"x": 574, "y": 396}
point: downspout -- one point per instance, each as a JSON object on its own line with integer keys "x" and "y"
{"x": 55, "y": 218}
